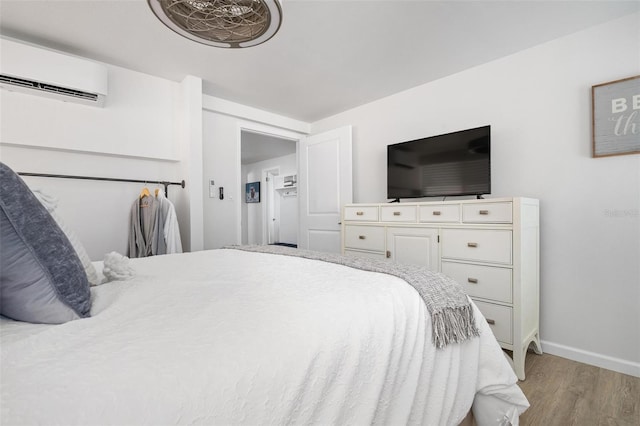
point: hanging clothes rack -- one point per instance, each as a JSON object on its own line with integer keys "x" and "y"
{"x": 150, "y": 182}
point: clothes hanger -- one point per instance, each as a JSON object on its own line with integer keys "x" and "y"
{"x": 145, "y": 193}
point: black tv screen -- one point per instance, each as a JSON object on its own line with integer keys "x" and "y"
{"x": 457, "y": 163}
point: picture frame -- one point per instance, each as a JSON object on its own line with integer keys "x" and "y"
{"x": 252, "y": 192}
{"x": 615, "y": 112}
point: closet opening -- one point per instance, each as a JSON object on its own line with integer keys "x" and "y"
{"x": 271, "y": 161}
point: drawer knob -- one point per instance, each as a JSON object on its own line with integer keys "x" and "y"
{"x": 361, "y": 237}
{"x": 473, "y": 280}
{"x": 484, "y": 212}
{"x": 436, "y": 213}
{"x": 396, "y": 213}
{"x": 359, "y": 213}
{"x": 490, "y": 321}
{"x": 472, "y": 244}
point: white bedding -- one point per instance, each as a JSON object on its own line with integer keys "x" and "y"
{"x": 234, "y": 337}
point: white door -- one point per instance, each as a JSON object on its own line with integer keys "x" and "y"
{"x": 414, "y": 246}
{"x": 270, "y": 219}
{"x": 325, "y": 185}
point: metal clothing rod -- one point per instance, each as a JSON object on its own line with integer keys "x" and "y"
{"x": 156, "y": 182}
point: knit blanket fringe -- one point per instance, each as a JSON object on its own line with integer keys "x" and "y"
{"x": 446, "y": 302}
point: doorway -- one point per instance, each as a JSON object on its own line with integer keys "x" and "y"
{"x": 270, "y": 161}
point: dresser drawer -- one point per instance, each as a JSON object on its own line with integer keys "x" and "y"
{"x": 482, "y": 245}
{"x": 361, "y": 213}
{"x": 486, "y": 282}
{"x": 369, "y": 254}
{"x": 364, "y": 237}
{"x": 442, "y": 213}
{"x": 487, "y": 213}
{"x": 398, "y": 213}
{"x": 499, "y": 319}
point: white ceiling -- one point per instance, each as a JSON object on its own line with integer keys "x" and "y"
{"x": 329, "y": 56}
{"x": 259, "y": 147}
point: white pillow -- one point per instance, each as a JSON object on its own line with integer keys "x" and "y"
{"x": 50, "y": 203}
{"x": 116, "y": 267}
{"x": 99, "y": 266}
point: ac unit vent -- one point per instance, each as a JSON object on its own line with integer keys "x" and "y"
{"x": 39, "y": 71}
{"x": 48, "y": 88}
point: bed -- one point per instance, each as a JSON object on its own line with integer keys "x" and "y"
{"x": 235, "y": 337}
{"x": 232, "y": 336}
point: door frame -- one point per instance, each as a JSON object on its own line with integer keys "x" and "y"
{"x": 254, "y": 127}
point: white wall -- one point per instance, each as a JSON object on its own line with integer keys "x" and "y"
{"x": 287, "y": 165}
{"x": 189, "y": 116}
{"x": 136, "y": 120}
{"x": 136, "y": 136}
{"x": 221, "y": 161}
{"x": 538, "y": 104}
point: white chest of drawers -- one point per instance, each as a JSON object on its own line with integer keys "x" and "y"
{"x": 491, "y": 247}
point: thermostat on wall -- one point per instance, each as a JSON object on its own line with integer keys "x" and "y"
{"x": 212, "y": 190}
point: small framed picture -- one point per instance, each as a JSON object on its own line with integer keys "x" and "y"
{"x": 616, "y": 117}
{"x": 252, "y": 192}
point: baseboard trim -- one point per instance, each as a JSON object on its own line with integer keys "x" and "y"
{"x": 592, "y": 358}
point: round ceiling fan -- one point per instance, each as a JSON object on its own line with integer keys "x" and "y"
{"x": 221, "y": 23}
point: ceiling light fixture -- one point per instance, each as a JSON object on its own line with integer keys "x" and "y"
{"x": 221, "y": 23}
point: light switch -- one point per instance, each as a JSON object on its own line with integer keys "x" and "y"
{"x": 212, "y": 189}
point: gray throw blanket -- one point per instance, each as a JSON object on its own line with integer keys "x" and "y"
{"x": 449, "y": 307}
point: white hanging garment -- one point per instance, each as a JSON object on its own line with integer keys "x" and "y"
{"x": 171, "y": 229}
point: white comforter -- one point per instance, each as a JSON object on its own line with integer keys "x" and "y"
{"x": 232, "y": 337}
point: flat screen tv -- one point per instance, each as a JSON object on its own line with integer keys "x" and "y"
{"x": 457, "y": 163}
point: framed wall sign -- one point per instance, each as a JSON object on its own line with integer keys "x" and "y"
{"x": 616, "y": 117}
{"x": 252, "y": 192}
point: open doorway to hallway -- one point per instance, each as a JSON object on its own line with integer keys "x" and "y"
{"x": 270, "y": 161}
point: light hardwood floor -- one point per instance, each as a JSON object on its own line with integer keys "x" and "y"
{"x": 564, "y": 392}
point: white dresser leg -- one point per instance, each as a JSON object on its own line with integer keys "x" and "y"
{"x": 537, "y": 347}
{"x": 519, "y": 355}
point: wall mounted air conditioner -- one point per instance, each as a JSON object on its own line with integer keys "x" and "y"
{"x": 29, "y": 69}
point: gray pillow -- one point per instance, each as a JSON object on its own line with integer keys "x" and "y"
{"x": 42, "y": 280}
{"x": 50, "y": 203}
